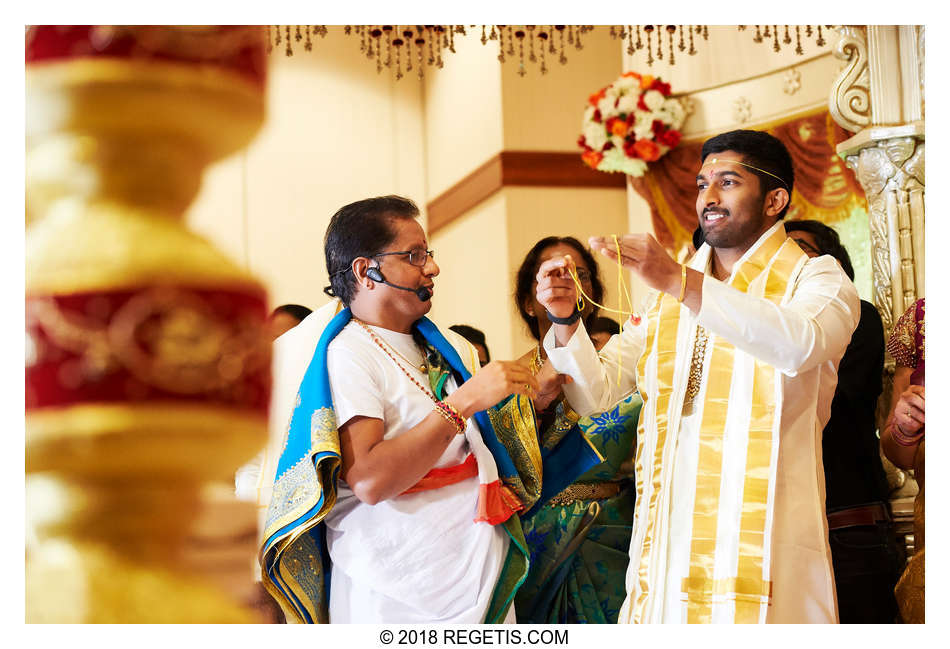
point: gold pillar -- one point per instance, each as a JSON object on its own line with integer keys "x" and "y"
{"x": 147, "y": 369}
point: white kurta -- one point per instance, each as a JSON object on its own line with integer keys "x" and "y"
{"x": 804, "y": 338}
{"x": 414, "y": 558}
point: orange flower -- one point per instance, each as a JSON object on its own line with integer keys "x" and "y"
{"x": 647, "y": 150}
{"x": 633, "y": 75}
{"x": 592, "y": 158}
{"x": 597, "y": 96}
{"x": 646, "y": 81}
{"x": 617, "y": 126}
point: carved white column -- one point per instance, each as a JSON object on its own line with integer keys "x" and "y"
{"x": 879, "y": 96}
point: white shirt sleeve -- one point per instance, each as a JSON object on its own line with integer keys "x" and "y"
{"x": 354, "y": 383}
{"x": 814, "y": 326}
{"x": 595, "y": 387}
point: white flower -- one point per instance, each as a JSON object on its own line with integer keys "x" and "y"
{"x": 643, "y": 126}
{"x": 628, "y": 103}
{"x": 606, "y": 105}
{"x": 676, "y": 112}
{"x": 617, "y": 160}
{"x": 653, "y": 99}
{"x": 595, "y": 135}
{"x": 617, "y": 140}
{"x": 627, "y": 83}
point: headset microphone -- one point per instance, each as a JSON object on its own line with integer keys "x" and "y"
{"x": 376, "y": 275}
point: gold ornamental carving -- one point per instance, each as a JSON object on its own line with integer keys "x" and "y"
{"x": 850, "y": 100}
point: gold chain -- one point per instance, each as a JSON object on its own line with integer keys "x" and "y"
{"x": 441, "y": 407}
{"x": 422, "y": 367}
{"x": 398, "y": 364}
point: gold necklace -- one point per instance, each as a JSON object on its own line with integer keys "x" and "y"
{"x": 422, "y": 367}
{"x": 696, "y": 368}
{"x": 537, "y": 362}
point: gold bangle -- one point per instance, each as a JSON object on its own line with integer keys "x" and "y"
{"x": 682, "y": 285}
{"x": 451, "y": 415}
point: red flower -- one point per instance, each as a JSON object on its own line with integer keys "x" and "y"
{"x": 661, "y": 86}
{"x": 592, "y": 158}
{"x": 597, "y": 116}
{"x": 629, "y": 147}
{"x": 642, "y": 105}
{"x": 631, "y": 118}
{"x": 608, "y": 146}
{"x": 647, "y": 150}
{"x": 582, "y": 142}
{"x": 670, "y": 138}
{"x": 658, "y": 127}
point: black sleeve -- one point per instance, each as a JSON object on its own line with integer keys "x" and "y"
{"x": 859, "y": 374}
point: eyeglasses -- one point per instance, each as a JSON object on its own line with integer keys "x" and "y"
{"x": 417, "y": 256}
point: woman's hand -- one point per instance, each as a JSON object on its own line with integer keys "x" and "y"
{"x": 491, "y": 384}
{"x": 556, "y": 290}
{"x": 909, "y": 411}
{"x": 550, "y": 386}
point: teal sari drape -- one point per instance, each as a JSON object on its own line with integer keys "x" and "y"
{"x": 579, "y": 551}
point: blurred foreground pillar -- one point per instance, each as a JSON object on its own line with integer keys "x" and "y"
{"x": 147, "y": 369}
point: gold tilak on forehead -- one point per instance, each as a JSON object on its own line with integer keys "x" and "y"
{"x": 746, "y": 164}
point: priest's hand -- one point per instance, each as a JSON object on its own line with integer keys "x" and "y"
{"x": 491, "y": 384}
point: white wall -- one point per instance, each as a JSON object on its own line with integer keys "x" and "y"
{"x": 463, "y": 126}
{"x": 336, "y": 132}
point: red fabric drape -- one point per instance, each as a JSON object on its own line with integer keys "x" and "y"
{"x": 825, "y": 189}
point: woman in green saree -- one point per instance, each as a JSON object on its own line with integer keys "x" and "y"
{"x": 578, "y": 541}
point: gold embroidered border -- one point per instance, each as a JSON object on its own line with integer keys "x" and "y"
{"x": 708, "y": 479}
{"x": 664, "y": 348}
{"x": 759, "y": 459}
{"x": 709, "y": 469}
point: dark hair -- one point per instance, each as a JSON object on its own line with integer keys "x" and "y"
{"x": 829, "y": 243}
{"x": 529, "y": 270}
{"x": 600, "y": 324}
{"x": 360, "y": 229}
{"x": 762, "y": 150}
{"x": 472, "y": 335}
{"x": 296, "y": 310}
{"x": 698, "y": 237}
